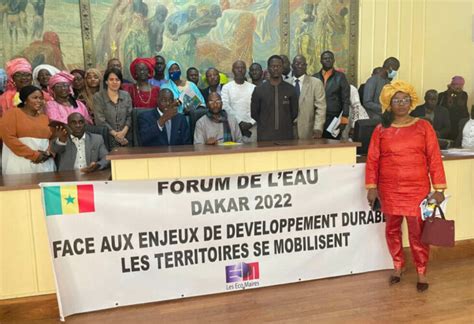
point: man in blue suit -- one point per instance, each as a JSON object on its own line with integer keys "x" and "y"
{"x": 164, "y": 126}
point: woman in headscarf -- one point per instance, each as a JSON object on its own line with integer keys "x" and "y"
{"x": 41, "y": 75}
{"x": 79, "y": 85}
{"x": 26, "y": 135}
{"x": 403, "y": 163}
{"x": 143, "y": 94}
{"x": 19, "y": 75}
{"x": 64, "y": 104}
{"x": 93, "y": 77}
{"x": 186, "y": 91}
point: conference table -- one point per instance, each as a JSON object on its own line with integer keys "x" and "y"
{"x": 24, "y": 253}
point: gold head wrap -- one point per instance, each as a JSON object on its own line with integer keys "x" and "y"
{"x": 389, "y": 90}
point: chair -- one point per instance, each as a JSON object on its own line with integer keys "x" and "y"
{"x": 136, "y": 134}
{"x": 100, "y": 130}
{"x": 363, "y": 130}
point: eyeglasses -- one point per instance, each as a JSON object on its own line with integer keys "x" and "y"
{"x": 61, "y": 85}
{"x": 403, "y": 101}
{"x": 214, "y": 101}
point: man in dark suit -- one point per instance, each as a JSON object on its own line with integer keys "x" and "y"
{"x": 164, "y": 126}
{"x": 77, "y": 149}
{"x": 437, "y": 115}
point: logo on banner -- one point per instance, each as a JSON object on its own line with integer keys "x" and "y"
{"x": 242, "y": 275}
{"x": 67, "y": 200}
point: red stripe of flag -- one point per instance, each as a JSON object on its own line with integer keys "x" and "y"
{"x": 85, "y": 194}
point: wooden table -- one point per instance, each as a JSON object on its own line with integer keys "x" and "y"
{"x": 25, "y": 263}
{"x": 212, "y": 160}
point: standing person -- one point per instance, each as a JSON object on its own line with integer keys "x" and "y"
{"x": 63, "y": 103}
{"x": 217, "y": 126}
{"x": 192, "y": 74}
{"x": 41, "y": 75}
{"x": 26, "y": 134}
{"x": 113, "y": 109}
{"x": 187, "y": 92}
{"x": 256, "y": 74}
{"x": 143, "y": 94}
{"x": 373, "y": 87}
{"x": 213, "y": 79}
{"x": 338, "y": 93}
{"x": 236, "y": 99}
{"x": 311, "y": 101}
{"x": 455, "y": 99}
{"x": 79, "y": 85}
{"x": 403, "y": 163}
{"x": 19, "y": 76}
{"x": 274, "y": 105}
{"x": 159, "y": 77}
{"x": 93, "y": 78}
{"x": 437, "y": 115}
{"x": 286, "y": 72}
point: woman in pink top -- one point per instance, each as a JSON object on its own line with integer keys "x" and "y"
{"x": 60, "y": 87}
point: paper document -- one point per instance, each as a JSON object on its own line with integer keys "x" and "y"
{"x": 333, "y": 126}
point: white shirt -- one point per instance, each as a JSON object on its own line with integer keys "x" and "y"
{"x": 468, "y": 135}
{"x": 301, "y": 78}
{"x": 236, "y": 99}
{"x": 81, "y": 152}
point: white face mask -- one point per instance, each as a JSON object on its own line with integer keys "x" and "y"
{"x": 392, "y": 74}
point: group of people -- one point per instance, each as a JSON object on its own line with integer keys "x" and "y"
{"x": 447, "y": 111}
{"x": 45, "y": 126}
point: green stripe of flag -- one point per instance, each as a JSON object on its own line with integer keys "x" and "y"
{"x": 52, "y": 200}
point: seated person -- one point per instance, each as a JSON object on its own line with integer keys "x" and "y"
{"x": 164, "y": 125}
{"x": 79, "y": 150}
{"x": 216, "y": 126}
{"x": 466, "y": 132}
{"x": 437, "y": 115}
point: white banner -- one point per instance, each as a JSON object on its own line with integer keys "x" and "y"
{"x": 128, "y": 242}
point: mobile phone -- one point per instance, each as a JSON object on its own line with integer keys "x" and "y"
{"x": 377, "y": 205}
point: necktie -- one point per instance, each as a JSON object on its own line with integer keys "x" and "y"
{"x": 168, "y": 130}
{"x": 297, "y": 87}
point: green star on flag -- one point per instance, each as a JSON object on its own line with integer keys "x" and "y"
{"x": 69, "y": 199}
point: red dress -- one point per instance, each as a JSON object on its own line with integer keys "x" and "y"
{"x": 400, "y": 163}
{"x": 142, "y": 99}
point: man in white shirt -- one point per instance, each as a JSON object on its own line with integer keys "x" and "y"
{"x": 311, "y": 101}
{"x": 236, "y": 98}
{"x": 78, "y": 149}
{"x": 467, "y": 132}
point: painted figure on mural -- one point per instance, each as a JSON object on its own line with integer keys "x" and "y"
{"x": 16, "y": 18}
{"x": 156, "y": 28}
{"x": 124, "y": 33}
{"x": 38, "y": 18}
{"x": 45, "y": 51}
{"x": 321, "y": 25}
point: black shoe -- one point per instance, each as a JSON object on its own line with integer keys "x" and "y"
{"x": 422, "y": 286}
{"x": 394, "y": 280}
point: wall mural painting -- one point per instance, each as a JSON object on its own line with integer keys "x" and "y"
{"x": 44, "y": 31}
{"x": 200, "y": 33}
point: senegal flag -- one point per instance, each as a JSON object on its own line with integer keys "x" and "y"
{"x": 64, "y": 200}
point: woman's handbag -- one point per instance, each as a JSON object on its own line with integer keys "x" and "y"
{"x": 438, "y": 231}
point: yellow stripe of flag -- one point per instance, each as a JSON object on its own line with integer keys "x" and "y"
{"x": 69, "y": 200}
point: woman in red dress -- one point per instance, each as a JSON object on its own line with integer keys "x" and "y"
{"x": 403, "y": 157}
{"x": 143, "y": 94}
